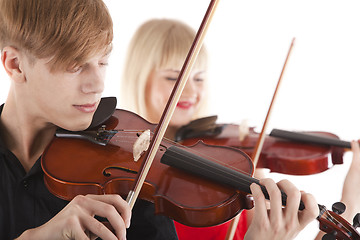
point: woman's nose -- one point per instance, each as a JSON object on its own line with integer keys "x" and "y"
{"x": 190, "y": 88}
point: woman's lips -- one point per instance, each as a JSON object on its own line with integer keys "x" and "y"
{"x": 86, "y": 108}
{"x": 184, "y": 105}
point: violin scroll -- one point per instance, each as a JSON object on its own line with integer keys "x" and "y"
{"x": 335, "y": 226}
{"x": 356, "y": 220}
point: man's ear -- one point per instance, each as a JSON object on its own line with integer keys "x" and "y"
{"x": 11, "y": 59}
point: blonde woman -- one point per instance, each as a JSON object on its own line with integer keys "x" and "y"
{"x": 155, "y": 56}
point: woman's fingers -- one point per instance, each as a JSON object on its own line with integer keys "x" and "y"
{"x": 351, "y": 192}
{"x": 356, "y": 153}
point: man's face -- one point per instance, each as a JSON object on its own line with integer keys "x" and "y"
{"x": 68, "y": 98}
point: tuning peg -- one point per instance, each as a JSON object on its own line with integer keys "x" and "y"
{"x": 338, "y": 207}
{"x": 356, "y": 220}
{"x": 328, "y": 236}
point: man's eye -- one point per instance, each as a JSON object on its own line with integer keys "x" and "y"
{"x": 171, "y": 78}
{"x": 75, "y": 69}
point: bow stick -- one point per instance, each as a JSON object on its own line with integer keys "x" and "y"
{"x": 172, "y": 102}
{"x": 256, "y": 154}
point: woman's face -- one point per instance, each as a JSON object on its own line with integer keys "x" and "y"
{"x": 159, "y": 87}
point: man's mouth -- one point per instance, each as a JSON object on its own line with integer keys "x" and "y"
{"x": 86, "y": 108}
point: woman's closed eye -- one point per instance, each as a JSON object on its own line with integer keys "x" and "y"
{"x": 199, "y": 79}
{"x": 171, "y": 78}
{"x": 103, "y": 64}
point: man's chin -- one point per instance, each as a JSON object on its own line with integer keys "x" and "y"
{"x": 78, "y": 126}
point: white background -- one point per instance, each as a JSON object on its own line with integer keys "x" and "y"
{"x": 248, "y": 42}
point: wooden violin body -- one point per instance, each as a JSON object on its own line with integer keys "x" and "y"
{"x": 77, "y": 166}
{"x": 277, "y": 155}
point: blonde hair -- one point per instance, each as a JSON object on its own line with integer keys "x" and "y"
{"x": 67, "y": 31}
{"x": 158, "y": 43}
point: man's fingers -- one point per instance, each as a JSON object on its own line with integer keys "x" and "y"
{"x": 111, "y": 207}
{"x": 293, "y": 199}
{"x": 260, "y": 209}
{"x": 311, "y": 210}
{"x": 120, "y": 204}
{"x": 275, "y": 199}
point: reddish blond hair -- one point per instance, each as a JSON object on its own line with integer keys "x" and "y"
{"x": 67, "y": 31}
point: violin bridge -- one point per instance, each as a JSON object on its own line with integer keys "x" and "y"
{"x": 141, "y": 144}
{"x": 243, "y": 130}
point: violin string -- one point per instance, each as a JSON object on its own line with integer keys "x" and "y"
{"x": 194, "y": 151}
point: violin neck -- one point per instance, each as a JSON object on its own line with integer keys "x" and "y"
{"x": 309, "y": 138}
{"x": 184, "y": 160}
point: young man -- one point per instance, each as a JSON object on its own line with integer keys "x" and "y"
{"x": 55, "y": 53}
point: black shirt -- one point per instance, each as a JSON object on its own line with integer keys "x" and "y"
{"x": 25, "y": 203}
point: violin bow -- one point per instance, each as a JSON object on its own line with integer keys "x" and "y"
{"x": 256, "y": 154}
{"x": 172, "y": 102}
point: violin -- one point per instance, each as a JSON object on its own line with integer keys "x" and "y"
{"x": 102, "y": 162}
{"x": 284, "y": 152}
{"x": 188, "y": 184}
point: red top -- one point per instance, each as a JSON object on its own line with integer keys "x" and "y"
{"x": 212, "y": 233}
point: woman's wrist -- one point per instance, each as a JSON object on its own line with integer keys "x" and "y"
{"x": 350, "y": 210}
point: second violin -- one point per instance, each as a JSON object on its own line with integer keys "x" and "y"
{"x": 278, "y": 154}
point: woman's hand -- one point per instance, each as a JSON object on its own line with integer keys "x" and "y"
{"x": 280, "y": 222}
{"x": 351, "y": 191}
{"x": 76, "y": 220}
